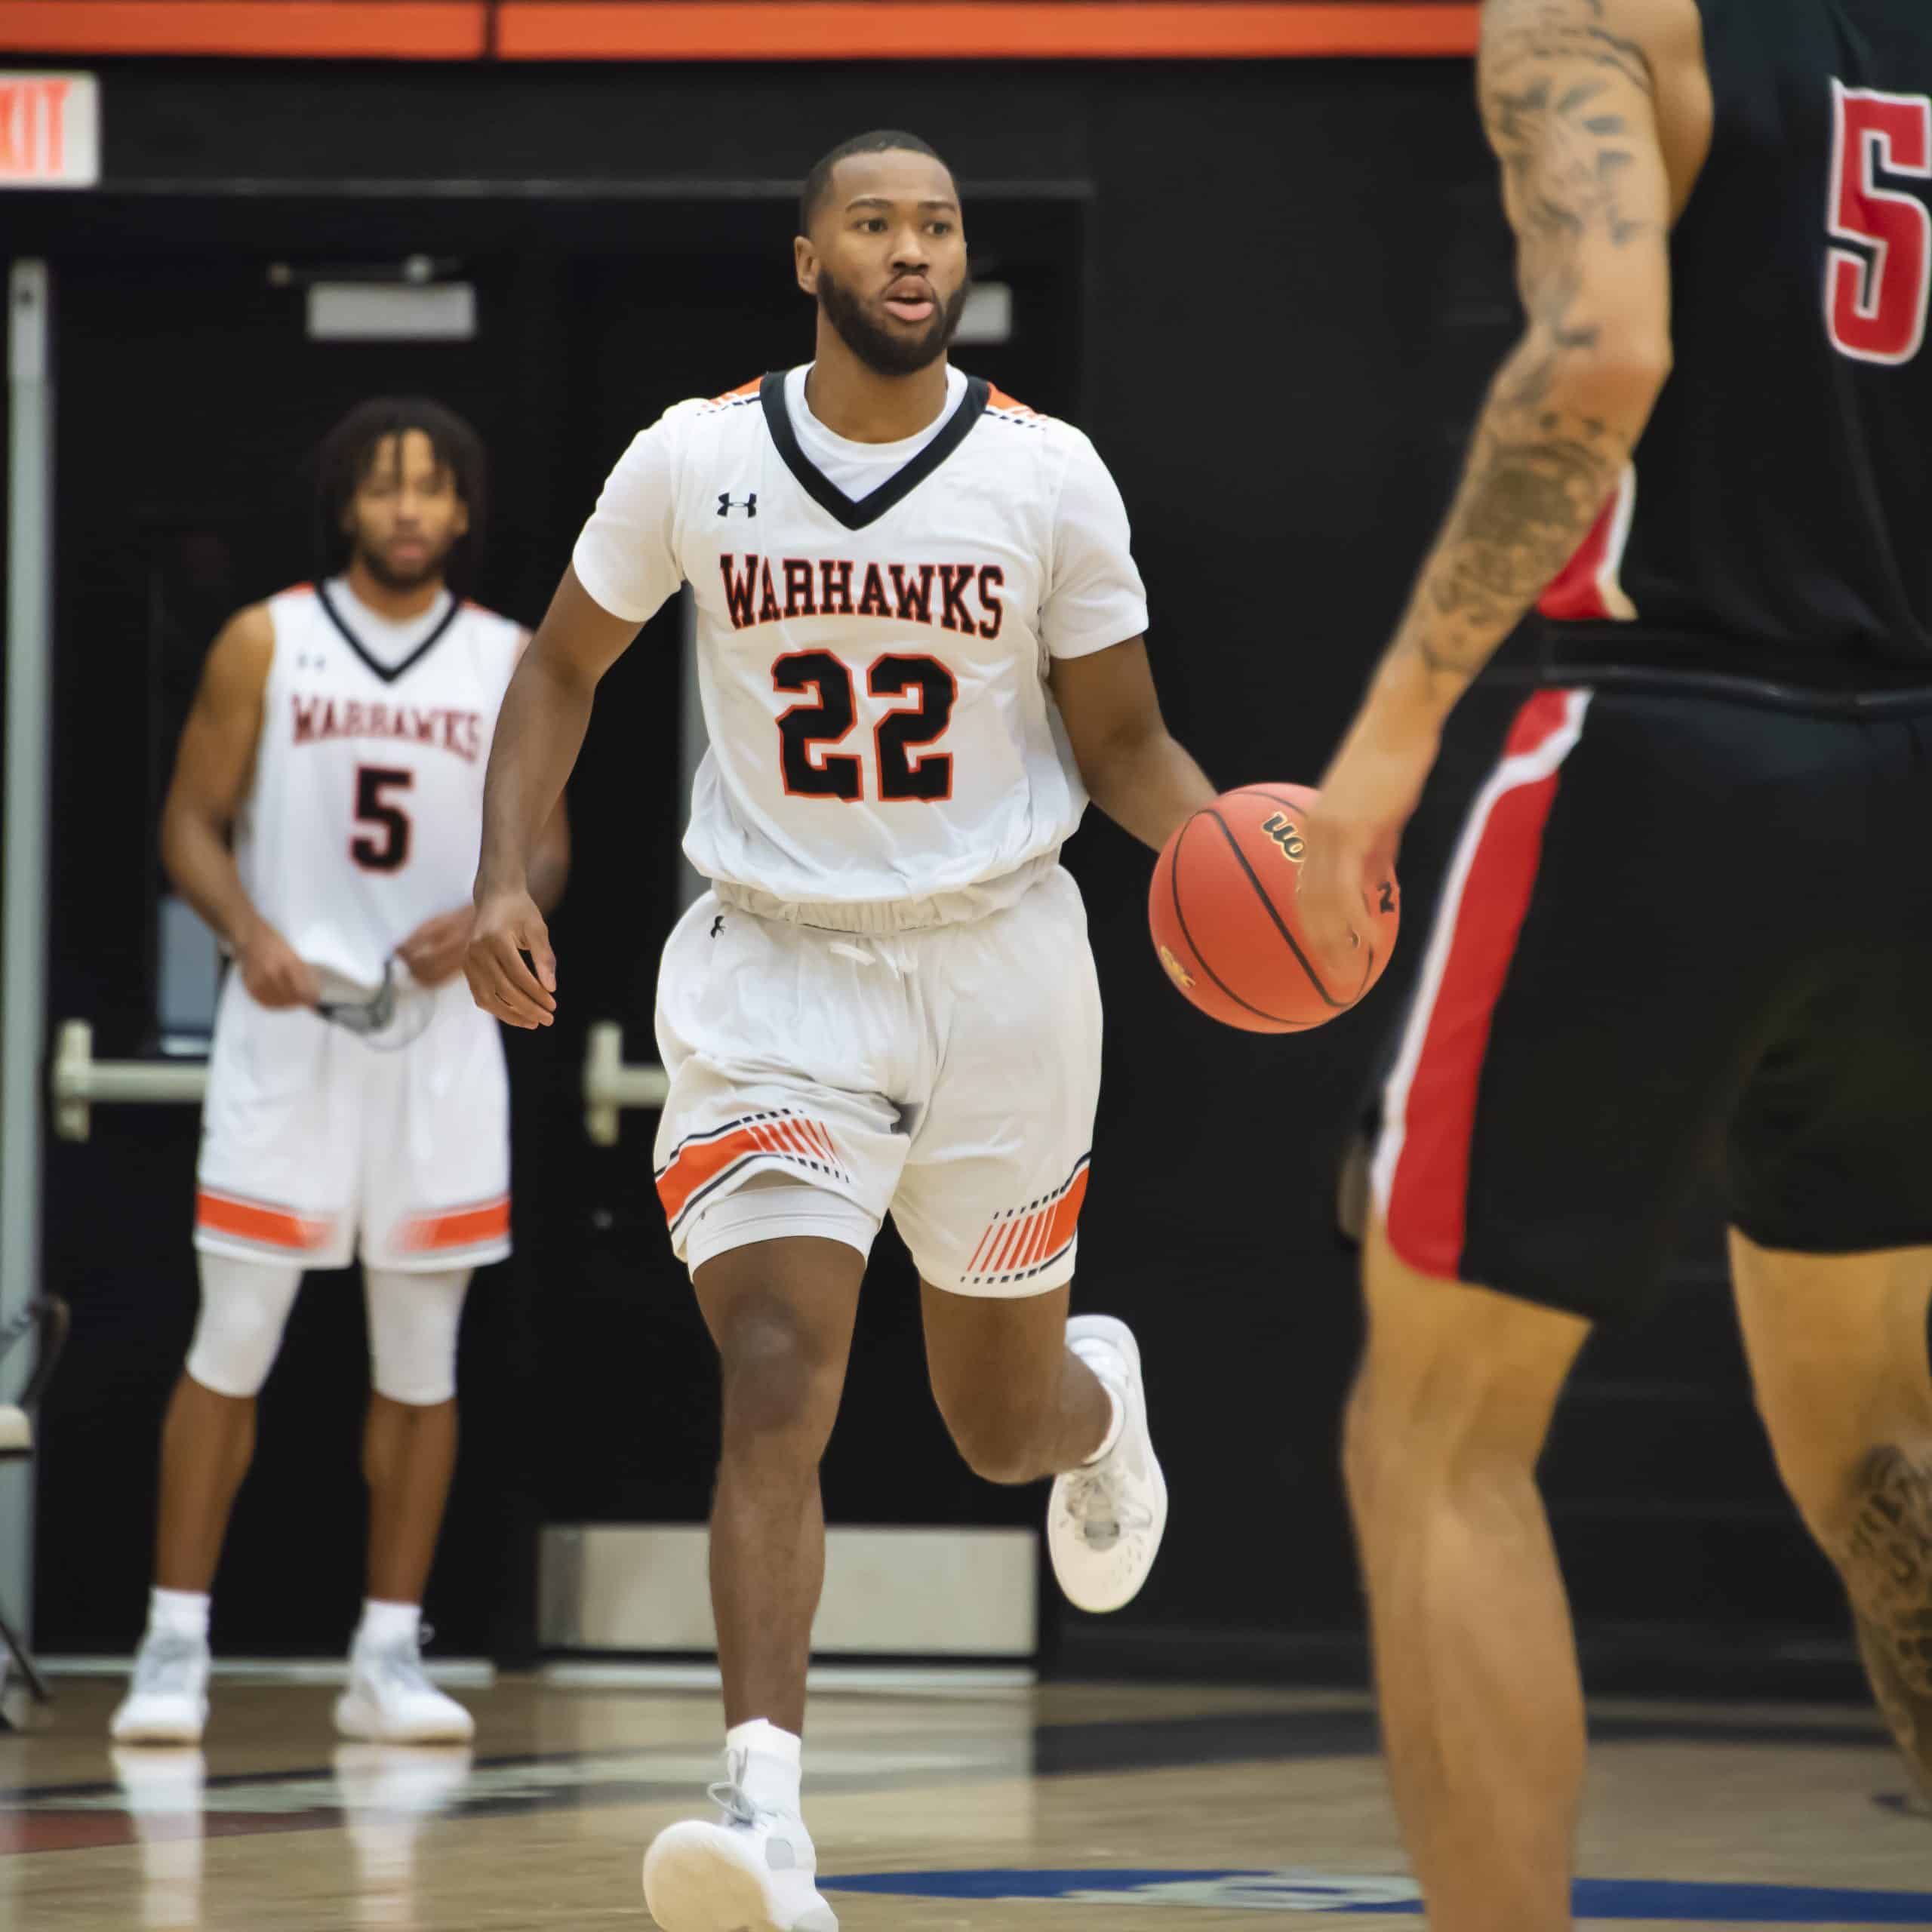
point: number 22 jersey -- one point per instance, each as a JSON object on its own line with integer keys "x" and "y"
{"x": 876, "y": 624}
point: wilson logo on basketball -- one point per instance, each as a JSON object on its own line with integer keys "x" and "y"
{"x": 1179, "y": 973}
{"x": 1287, "y": 835}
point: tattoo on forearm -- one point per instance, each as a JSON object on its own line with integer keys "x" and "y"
{"x": 1557, "y": 96}
{"x": 1538, "y": 477}
{"x": 1887, "y": 1560}
{"x": 1523, "y": 506}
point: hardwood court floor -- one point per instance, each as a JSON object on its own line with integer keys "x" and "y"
{"x": 1068, "y": 1809}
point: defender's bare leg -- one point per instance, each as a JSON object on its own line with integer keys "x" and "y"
{"x": 1837, "y": 1349}
{"x": 1482, "y": 1707}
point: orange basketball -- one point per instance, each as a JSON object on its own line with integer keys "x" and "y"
{"x": 1224, "y": 921}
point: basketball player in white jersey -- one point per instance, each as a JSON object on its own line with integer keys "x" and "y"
{"x": 920, "y": 652}
{"x": 325, "y": 819}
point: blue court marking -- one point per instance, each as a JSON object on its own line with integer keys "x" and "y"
{"x": 1627, "y": 1899}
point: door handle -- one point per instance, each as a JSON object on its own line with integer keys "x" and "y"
{"x": 78, "y": 1082}
{"x": 611, "y": 1084}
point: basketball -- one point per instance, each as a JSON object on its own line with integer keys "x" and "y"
{"x": 1225, "y": 920}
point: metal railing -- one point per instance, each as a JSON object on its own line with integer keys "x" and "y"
{"x": 78, "y": 1083}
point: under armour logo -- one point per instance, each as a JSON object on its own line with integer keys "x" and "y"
{"x": 717, "y": 925}
{"x": 726, "y": 506}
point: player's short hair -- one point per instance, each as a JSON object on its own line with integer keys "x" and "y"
{"x": 880, "y": 140}
{"x": 348, "y": 449}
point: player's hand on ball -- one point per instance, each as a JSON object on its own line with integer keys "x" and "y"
{"x": 436, "y": 951}
{"x": 1354, "y": 829}
{"x": 275, "y": 974}
{"x": 520, "y": 992}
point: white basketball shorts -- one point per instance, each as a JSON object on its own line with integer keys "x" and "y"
{"x": 316, "y": 1146}
{"x": 949, "y": 1077}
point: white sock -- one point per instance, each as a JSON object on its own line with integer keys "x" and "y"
{"x": 1104, "y": 1359}
{"x": 179, "y": 1614}
{"x": 773, "y": 1763}
{"x": 384, "y": 1625}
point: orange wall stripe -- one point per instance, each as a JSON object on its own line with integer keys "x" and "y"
{"x": 339, "y": 29}
{"x": 974, "y": 29}
{"x": 743, "y": 29}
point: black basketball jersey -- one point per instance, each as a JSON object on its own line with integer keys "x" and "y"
{"x": 1777, "y": 526}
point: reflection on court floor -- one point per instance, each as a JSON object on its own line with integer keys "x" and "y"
{"x": 1069, "y": 1808}
{"x": 1626, "y": 1900}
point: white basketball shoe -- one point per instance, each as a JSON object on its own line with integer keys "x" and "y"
{"x": 1105, "y": 1522}
{"x": 754, "y": 1871}
{"x": 167, "y": 1700}
{"x": 390, "y": 1699}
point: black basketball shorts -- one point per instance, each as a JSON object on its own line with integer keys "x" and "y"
{"x": 1676, "y": 931}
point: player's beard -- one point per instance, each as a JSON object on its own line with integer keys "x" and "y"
{"x": 882, "y": 352}
{"x": 434, "y": 564}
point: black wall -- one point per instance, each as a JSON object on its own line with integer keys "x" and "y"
{"x": 1271, "y": 293}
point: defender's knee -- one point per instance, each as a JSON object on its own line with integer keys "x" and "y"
{"x": 1830, "y": 1441}
{"x": 1836, "y": 1349}
{"x": 1456, "y": 1387}
{"x": 1393, "y": 1447}
{"x": 1457, "y": 1428}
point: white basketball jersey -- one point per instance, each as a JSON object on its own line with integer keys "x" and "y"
{"x": 364, "y": 814}
{"x": 875, "y": 627}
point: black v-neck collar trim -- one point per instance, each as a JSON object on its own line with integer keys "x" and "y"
{"x": 388, "y": 673}
{"x": 897, "y": 487}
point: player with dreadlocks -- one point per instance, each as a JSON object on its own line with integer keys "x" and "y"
{"x": 324, "y": 819}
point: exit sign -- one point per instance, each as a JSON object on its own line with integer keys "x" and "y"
{"x": 50, "y": 130}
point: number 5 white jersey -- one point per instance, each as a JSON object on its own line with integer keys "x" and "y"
{"x": 364, "y": 814}
{"x": 875, "y": 623}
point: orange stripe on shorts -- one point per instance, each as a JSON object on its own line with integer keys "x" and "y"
{"x": 787, "y": 1137}
{"x": 256, "y": 1221}
{"x": 1023, "y": 1243}
{"x": 460, "y": 1227}
{"x": 1067, "y": 1212}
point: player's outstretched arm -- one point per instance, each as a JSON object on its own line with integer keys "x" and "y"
{"x": 539, "y": 732}
{"x": 1569, "y": 92}
{"x": 1133, "y": 768}
{"x": 212, "y": 768}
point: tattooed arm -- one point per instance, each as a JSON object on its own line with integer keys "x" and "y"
{"x": 1568, "y": 106}
{"x": 1569, "y": 100}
